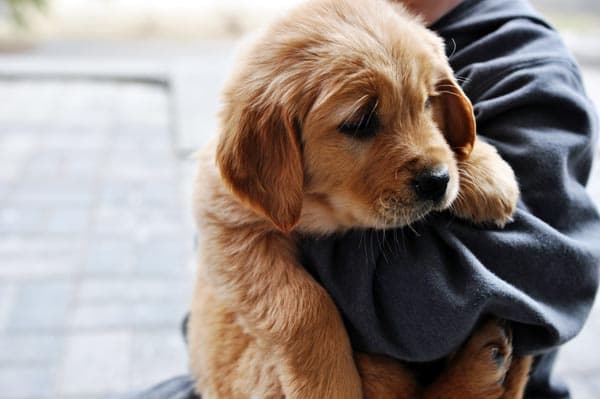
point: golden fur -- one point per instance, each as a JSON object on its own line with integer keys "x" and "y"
{"x": 287, "y": 162}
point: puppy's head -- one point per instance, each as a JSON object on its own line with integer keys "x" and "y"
{"x": 351, "y": 104}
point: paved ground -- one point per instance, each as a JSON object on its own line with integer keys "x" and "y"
{"x": 96, "y": 244}
{"x": 94, "y": 250}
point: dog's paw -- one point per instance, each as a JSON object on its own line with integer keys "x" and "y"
{"x": 488, "y": 190}
{"x": 517, "y": 377}
{"x": 486, "y": 359}
{"x": 490, "y": 347}
{"x": 480, "y": 367}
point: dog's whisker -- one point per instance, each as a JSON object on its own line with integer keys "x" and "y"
{"x": 363, "y": 239}
{"x": 462, "y": 79}
{"x": 371, "y": 248}
{"x": 453, "y": 48}
{"x": 413, "y": 229}
{"x": 382, "y": 246}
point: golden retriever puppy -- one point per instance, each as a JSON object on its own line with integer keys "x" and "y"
{"x": 344, "y": 114}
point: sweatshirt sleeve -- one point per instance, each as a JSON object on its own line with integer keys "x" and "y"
{"x": 416, "y": 293}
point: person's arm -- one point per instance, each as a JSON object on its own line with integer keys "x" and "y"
{"x": 416, "y": 293}
{"x": 538, "y": 117}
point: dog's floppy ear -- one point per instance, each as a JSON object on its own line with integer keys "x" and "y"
{"x": 455, "y": 117}
{"x": 260, "y": 159}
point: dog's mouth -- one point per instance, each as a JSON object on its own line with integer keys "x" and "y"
{"x": 392, "y": 215}
{"x": 392, "y": 210}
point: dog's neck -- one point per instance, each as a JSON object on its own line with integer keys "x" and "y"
{"x": 430, "y": 10}
{"x": 318, "y": 217}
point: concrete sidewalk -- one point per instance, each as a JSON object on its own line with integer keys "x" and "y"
{"x": 96, "y": 241}
{"x": 95, "y": 250}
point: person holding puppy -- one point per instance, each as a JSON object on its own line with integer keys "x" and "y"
{"x": 415, "y": 294}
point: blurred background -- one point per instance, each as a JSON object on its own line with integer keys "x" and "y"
{"x": 101, "y": 104}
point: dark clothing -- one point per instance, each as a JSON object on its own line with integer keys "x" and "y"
{"x": 415, "y": 294}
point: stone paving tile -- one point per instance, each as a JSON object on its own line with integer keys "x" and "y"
{"x": 38, "y": 244}
{"x": 30, "y": 349}
{"x": 7, "y": 299}
{"x": 158, "y": 314}
{"x": 18, "y": 144}
{"x": 140, "y": 138}
{"x": 157, "y": 221}
{"x": 11, "y": 167}
{"x": 140, "y": 289}
{"x": 96, "y": 363}
{"x": 157, "y": 356}
{"x": 84, "y": 141}
{"x": 60, "y": 192}
{"x": 53, "y": 165}
{"x": 40, "y": 305}
{"x": 114, "y": 220}
{"x": 5, "y": 187}
{"x": 110, "y": 255}
{"x": 27, "y": 382}
{"x": 19, "y": 218}
{"x": 162, "y": 255}
{"x": 68, "y": 221}
{"x": 28, "y": 267}
{"x": 130, "y": 302}
{"x": 100, "y": 316}
{"x": 38, "y": 256}
{"x": 142, "y": 314}
{"x": 120, "y": 192}
{"x": 594, "y": 380}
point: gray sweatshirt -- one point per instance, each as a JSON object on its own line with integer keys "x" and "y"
{"x": 416, "y": 294}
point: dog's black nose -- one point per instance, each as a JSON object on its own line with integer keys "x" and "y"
{"x": 431, "y": 184}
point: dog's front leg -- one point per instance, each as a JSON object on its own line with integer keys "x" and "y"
{"x": 488, "y": 190}
{"x": 292, "y": 316}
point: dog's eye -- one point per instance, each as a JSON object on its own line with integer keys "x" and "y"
{"x": 363, "y": 125}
